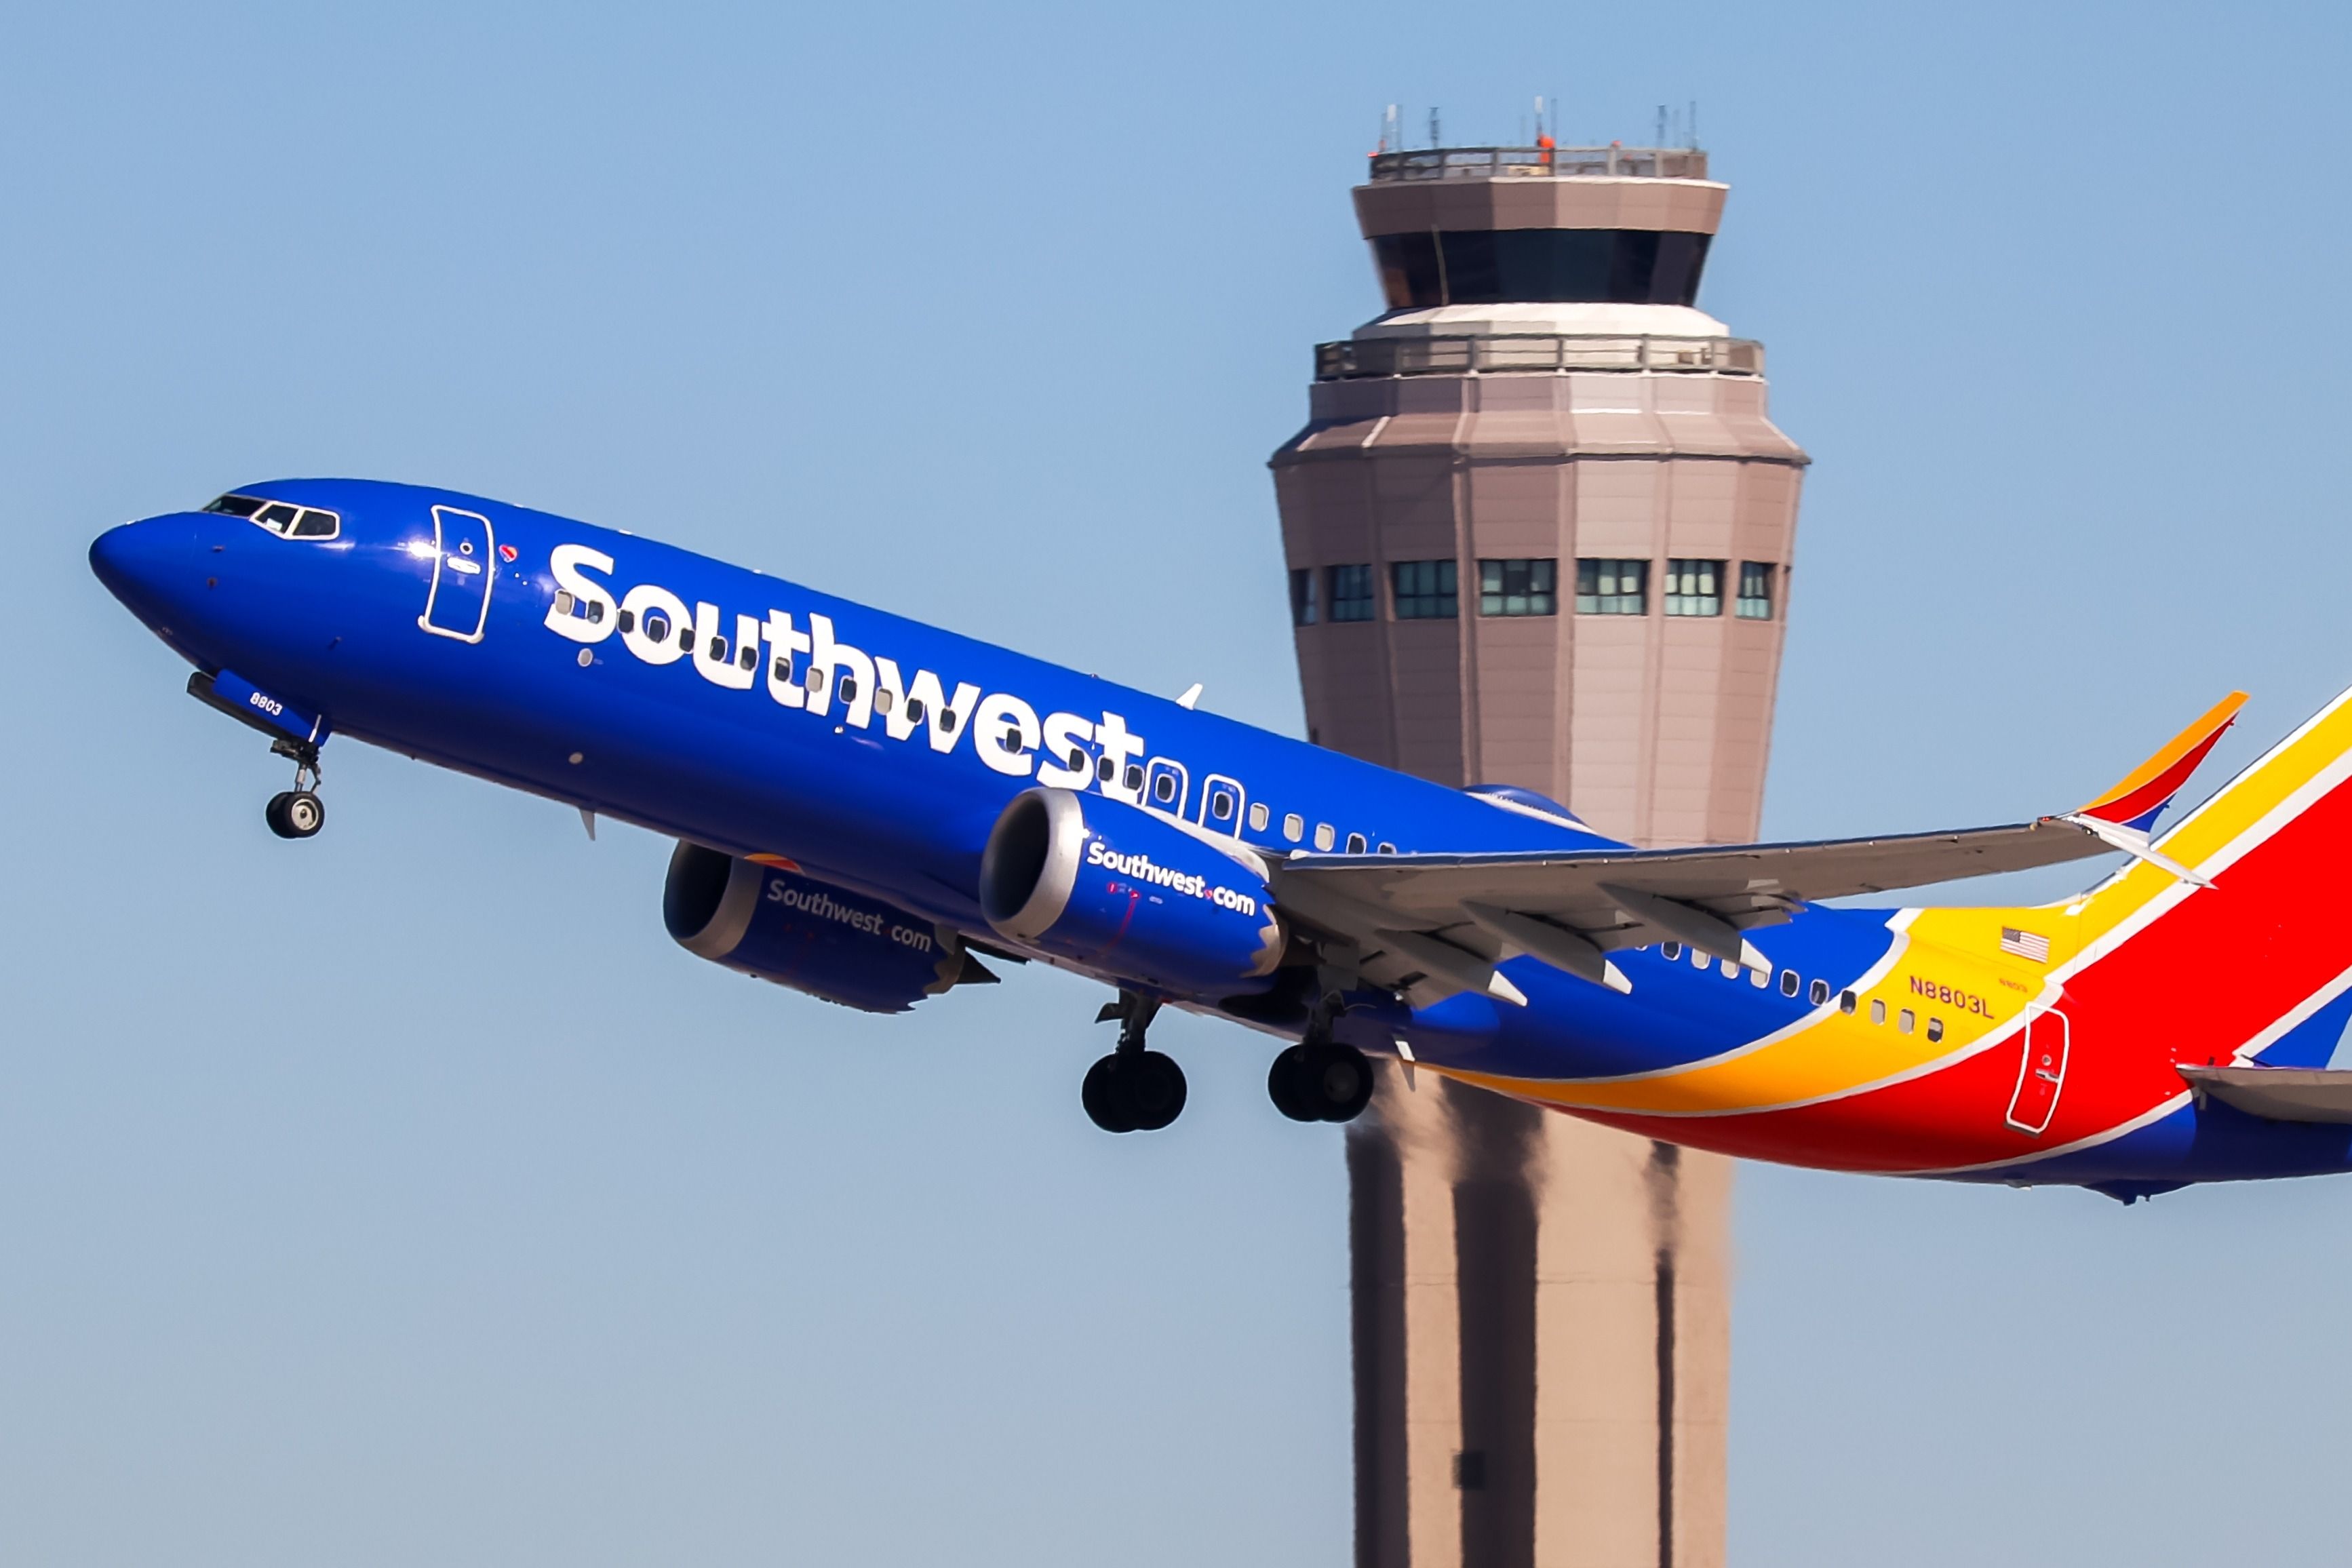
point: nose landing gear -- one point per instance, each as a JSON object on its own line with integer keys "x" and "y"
{"x": 298, "y": 813}
{"x": 1132, "y": 1090}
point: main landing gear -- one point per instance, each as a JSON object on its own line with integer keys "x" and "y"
{"x": 1320, "y": 1080}
{"x": 298, "y": 813}
{"x": 1132, "y": 1090}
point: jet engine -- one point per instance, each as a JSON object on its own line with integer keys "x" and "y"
{"x": 766, "y": 920}
{"x": 1131, "y": 894}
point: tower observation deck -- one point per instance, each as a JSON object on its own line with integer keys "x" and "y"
{"x": 1539, "y": 528}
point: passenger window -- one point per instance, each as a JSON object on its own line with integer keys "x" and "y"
{"x": 656, "y": 628}
{"x": 947, "y": 719}
{"x": 915, "y": 711}
{"x": 1906, "y": 1020}
{"x": 563, "y": 601}
{"x": 1935, "y": 1030}
{"x": 1294, "y": 828}
{"x": 1324, "y": 836}
{"x": 1259, "y": 816}
{"x": 1134, "y": 779}
{"x": 719, "y": 650}
{"x": 1789, "y": 982}
{"x": 686, "y": 637}
{"x": 1078, "y": 757}
{"x": 749, "y": 659}
{"x": 814, "y": 680}
{"x": 782, "y": 669}
{"x": 1012, "y": 736}
{"x": 1730, "y": 967}
{"x": 1760, "y": 978}
{"x": 1387, "y": 848}
{"x": 1845, "y": 1002}
{"x": 1104, "y": 768}
{"x": 595, "y": 611}
{"x": 1877, "y": 1010}
{"x": 1670, "y": 950}
{"x": 627, "y": 622}
{"x": 1698, "y": 959}
{"x": 316, "y": 525}
{"x": 849, "y": 689}
{"x": 882, "y": 701}
{"x": 1163, "y": 788}
{"x": 1819, "y": 994}
{"x": 1220, "y": 805}
{"x": 1356, "y": 845}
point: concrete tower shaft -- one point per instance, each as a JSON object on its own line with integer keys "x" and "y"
{"x": 1539, "y": 529}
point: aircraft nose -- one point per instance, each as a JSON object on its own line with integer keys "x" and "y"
{"x": 147, "y": 566}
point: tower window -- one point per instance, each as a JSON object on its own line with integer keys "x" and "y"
{"x": 1694, "y": 587}
{"x": 1351, "y": 593}
{"x": 1518, "y": 587}
{"x": 1302, "y": 596}
{"x": 1424, "y": 590}
{"x": 1606, "y": 588}
{"x": 1755, "y": 601}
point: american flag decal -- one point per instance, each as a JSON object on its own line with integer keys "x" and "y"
{"x": 2025, "y": 944}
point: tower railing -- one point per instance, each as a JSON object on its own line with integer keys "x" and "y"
{"x": 1522, "y": 353}
{"x": 1541, "y": 164}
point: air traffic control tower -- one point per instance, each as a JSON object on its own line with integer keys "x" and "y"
{"x": 1540, "y": 530}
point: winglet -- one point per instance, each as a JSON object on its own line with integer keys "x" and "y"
{"x": 2135, "y": 803}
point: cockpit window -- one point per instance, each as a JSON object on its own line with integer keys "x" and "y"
{"x": 281, "y": 517}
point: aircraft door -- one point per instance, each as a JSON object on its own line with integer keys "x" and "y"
{"x": 464, "y": 564}
{"x": 1220, "y": 806}
{"x": 2041, "y": 1071}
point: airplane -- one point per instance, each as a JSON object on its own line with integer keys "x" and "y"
{"x": 871, "y": 810}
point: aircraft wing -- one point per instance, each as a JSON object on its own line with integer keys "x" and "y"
{"x": 1584, "y": 905}
{"x": 1438, "y": 924}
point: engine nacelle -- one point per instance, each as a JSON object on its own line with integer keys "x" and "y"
{"x": 781, "y": 926}
{"x": 1129, "y": 893}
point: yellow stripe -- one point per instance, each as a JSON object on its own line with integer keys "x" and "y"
{"x": 1958, "y": 949}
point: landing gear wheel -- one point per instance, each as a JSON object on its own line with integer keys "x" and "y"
{"x": 1133, "y": 1091}
{"x": 295, "y": 814}
{"x": 1286, "y": 1085}
{"x": 1106, "y": 1108}
{"x": 1320, "y": 1081}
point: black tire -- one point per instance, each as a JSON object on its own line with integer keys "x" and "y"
{"x": 1153, "y": 1086}
{"x": 1286, "y": 1085}
{"x": 1106, "y": 1108}
{"x": 1340, "y": 1081}
{"x": 274, "y": 813}
{"x": 305, "y": 814}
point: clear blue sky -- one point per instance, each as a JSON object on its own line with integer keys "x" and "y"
{"x": 407, "y": 1197}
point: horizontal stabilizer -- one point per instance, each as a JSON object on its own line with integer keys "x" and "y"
{"x": 2279, "y": 1094}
